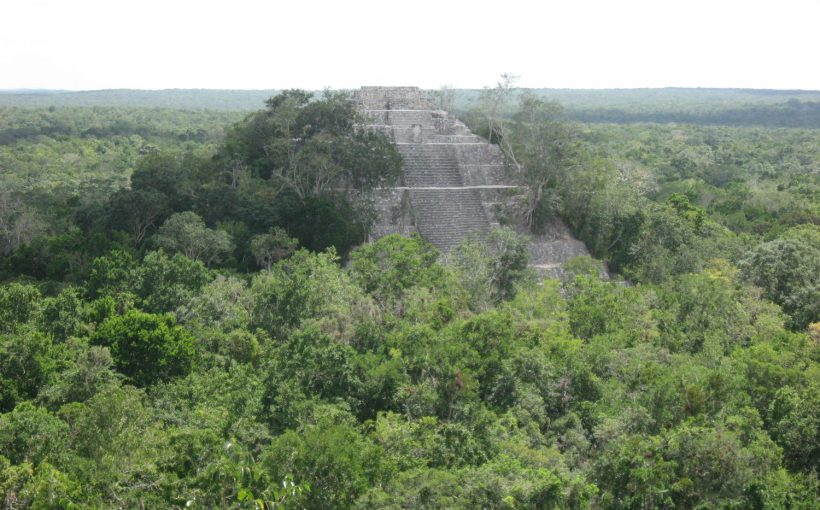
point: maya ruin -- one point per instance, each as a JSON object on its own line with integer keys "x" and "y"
{"x": 455, "y": 183}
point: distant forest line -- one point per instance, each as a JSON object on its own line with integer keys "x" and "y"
{"x": 732, "y": 107}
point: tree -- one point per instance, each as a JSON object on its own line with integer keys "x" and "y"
{"x": 186, "y": 233}
{"x": 490, "y": 271}
{"x": 311, "y": 166}
{"x": 89, "y": 373}
{"x": 32, "y": 434}
{"x": 311, "y": 147}
{"x": 327, "y": 222}
{"x": 337, "y": 462}
{"x": 119, "y": 447}
{"x": 788, "y": 271}
{"x": 19, "y": 224}
{"x": 509, "y": 262}
{"x": 542, "y": 147}
{"x": 602, "y": 202}
{"x": 493, "y": 102}
{"x": 273, "y": 246}
{"x": 110, "y": 283}
{"x": 19, "y": 304}
{"x": 170, "y": 174}
{"x": 393, "y": 264}
{"x": 672, "y": 240}
{"x": 224, "y": 303}
{"x": 163, "y": 283}
{"x": 28, "y": 360}
{"x": 137, "y": 212}
{"x": 306, "y": 288}
{"x": 147, "y": 348}
{"x": 796, "y": 425}
{"x": 445, "y": 98}
{"x": 63, "y": 316}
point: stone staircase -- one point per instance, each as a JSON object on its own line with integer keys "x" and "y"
{"x": 441, "y": 208}
{"x": 446, "y": 217}
{"x": 429, "y": 165}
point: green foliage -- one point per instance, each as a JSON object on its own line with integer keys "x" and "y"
{"x": 159, "y": 284}
{"x": 186, "y": 233}
{"x": 582, "y": 265}
{"x": 310, "y": 364}
{"x": 28, "y": 359}
{"x": 390, "y": 266}
{"x": 673, "y": 105}
{"x": 509, "y": 256}
{"x": 600, "y": 308}
{"x": 224, "y": 304}
{"x": 492, "y": 271}
{"x": 337, "y": 462}
{"x": 788, "y": 271}
{"x": 110, "y": 275}
{"x": 708, "y": 312}
{"x": 118, "y": 448}
{"x": 795, "y": 425}
{"x": 223, "y": 402}
{"x": 62, "y": 316}
{"x": 300, "y": 164}
{"x": 324, "y": 222}
{"x": 594, "y": 395}
{"x": 91, "y": 371}
{"x": 164, "y": 283}
{"x": 146, "y": 347}
{"x": 306, "y": 288}
{"x": 170, "y": 174}
{"x": 32, "y": 434}
{"x": 19, "y": 225}
{"x": 18, "y": 304}
{"x": 49, "y": 488}
{"x": 326, "y": 143}
{"x": 137, "y": 213}
{"x": 543, "y": 148}
{"x": 273, "y": 246}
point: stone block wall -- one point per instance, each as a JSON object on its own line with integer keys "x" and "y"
{"x": 392, "y": 98}
{"x": 395, "y": 215}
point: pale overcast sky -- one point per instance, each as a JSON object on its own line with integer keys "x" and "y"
{"x": 244, "y": 44}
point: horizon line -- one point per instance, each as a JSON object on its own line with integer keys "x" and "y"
{"x": 25, "y": 90}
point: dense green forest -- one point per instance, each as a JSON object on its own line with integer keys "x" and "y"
{"x": 189, "y": 317}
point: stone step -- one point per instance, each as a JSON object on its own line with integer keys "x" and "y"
{"x": 418, "y": 181}
{"x": 446, "y": 217}
{"x": 432, "y": 160}
{"x": 430, "y": 165}
{"x": 451, "y": 171}
{"x": 556, "y": 252}
{"x": 407, "y": 118}
{"x": 426, "y": 148}
{"x": 438, "y": 163}
{"x": 424, "y": 163}
{"x": 437, "y": 138}
{"x": 444, "y": 150}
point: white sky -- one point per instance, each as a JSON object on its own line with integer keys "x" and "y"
{"x": 245, "y": 44}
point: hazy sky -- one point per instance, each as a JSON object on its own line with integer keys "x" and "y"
{"x": 94, "y": 44}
